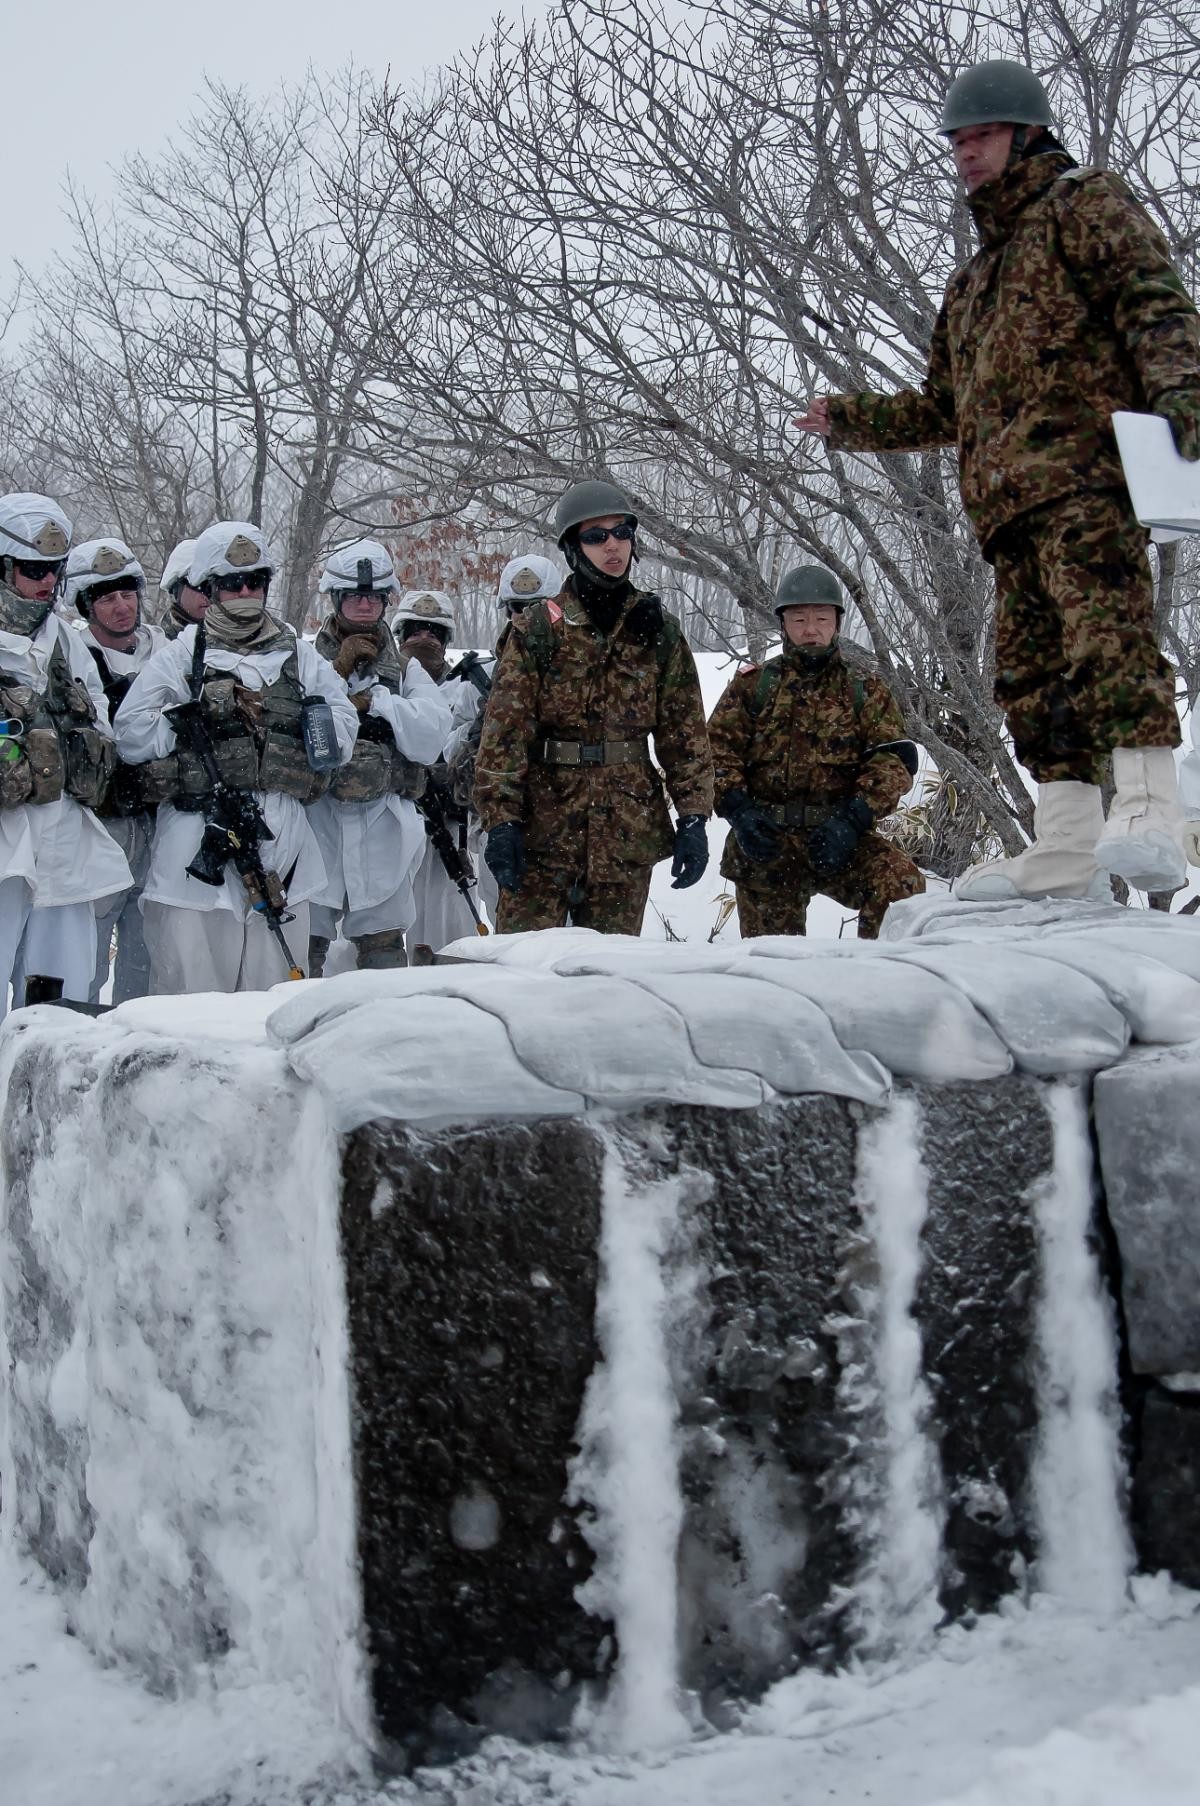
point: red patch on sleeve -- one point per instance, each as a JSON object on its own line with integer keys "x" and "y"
{"x": 745, "y": 670}
{"x": 554, "y": 610}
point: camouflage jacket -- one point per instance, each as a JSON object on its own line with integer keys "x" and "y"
{"x": 809, "y": 738}
{"x": 560, "y": 678}
{"x": 1070, "y": 309}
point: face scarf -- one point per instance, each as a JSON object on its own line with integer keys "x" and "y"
{"x": 242, "y": 624}
{"x": 603, "y": 597}
{"x": 21, "y": 614}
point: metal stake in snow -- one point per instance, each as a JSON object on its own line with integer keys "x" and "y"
{"x": 899, "y": 1591}
{"x": 1085, "y": 1553}
{"x": 628, "y": 1466}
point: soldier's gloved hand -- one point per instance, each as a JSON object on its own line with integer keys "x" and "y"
{"x": 753, "y": 829}
{"x": 832, "y": 844}
{"x": 1182, "y": 409}
{"x": 356, "y": 649}
{"x": 1191, "y": 841}
{"x": 504, "y": 851}
{"x": 691, "y": 852}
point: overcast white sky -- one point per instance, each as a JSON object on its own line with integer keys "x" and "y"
{"x": 88, "y": 81}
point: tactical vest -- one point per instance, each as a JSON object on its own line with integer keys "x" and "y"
{"x": 65, "y": 752}
{"x": 134, "y": 789}
{"x": 771, "y": 676}
{"x": 376, "y": 767}
{"x": 257, "y": 739}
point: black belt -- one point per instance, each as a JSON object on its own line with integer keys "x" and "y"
{"x": 600, "y": 752}
{"x": 797, "y": 815}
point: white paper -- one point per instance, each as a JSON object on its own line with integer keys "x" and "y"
{"x": 1163, "y": 487}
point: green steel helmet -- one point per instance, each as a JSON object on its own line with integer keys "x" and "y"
{"x": 996, "y": 93}
{"x": 590, "y": 501}
{"x": 809, "y": 586}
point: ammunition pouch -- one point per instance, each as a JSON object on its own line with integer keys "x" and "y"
{"x": 257, "y": 740}
{"x": 66, "y": 752}
{"x": 376, "y": 767}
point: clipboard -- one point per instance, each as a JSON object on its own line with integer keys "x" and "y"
{"x": 1163, "y": 487}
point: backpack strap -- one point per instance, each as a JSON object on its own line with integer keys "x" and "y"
{"x": 764, "y": 690}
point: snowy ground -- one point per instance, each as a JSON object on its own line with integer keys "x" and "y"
{"x": 1039, "y": 1707}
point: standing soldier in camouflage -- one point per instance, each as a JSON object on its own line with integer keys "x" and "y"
{"x": 371, "y": 837}
{"x": 807, "y": 758}
{"x": 573, "y": 805}
{"x": 1070, "y": 309}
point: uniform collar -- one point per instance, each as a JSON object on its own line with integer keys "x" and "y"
{"x": 996, "y": 206}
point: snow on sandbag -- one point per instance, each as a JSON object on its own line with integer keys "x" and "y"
{"x": 584, "y": 950}
{"x": 917, "y": 1024}
{"x": 1052, "y": 1019}
{"x": 940, "y": 913}
{"x": 431, "y": 1060}
{"x": 594, "y": 1038}
{"x": 1174, "y": 941}
{"x": 789, "y": 1042}
{"x": 1160, "y": 1004}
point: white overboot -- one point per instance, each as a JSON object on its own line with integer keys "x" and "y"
{"x": 1061, "y": 861}
{"x": 1142, "y": 840}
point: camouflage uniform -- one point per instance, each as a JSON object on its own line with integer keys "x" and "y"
{"x": 807, "y": 741}
{"x": 593, "y": 832}
{"x": 1069, "y": 310}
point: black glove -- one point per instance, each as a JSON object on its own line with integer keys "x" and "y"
{"x": 832, "y": 844}
{"x": 753, "y": 829}
{"x": 1182, "y": 409}
{"x": 504, "y": 851}
{"x": 691, "y": 852}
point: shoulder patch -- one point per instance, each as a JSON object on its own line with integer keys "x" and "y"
{"x": 555, "y": 612}
{"x": 747, "y": 670}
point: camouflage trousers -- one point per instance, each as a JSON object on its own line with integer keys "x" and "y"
{"x": 1078, "y": 669}
{"x": 547, "y": 899}
{"x": 775, "y": 899}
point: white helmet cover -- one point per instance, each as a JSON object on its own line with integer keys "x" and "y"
{"x": 100, "y": 561}
{"x": 227, "y": 548}
{"x": 34, "y": 527}
{"x": 428, "y": 605}
{"x": 341, "y": 567}
{"x": 529, "y": 579}
{"x": 177, "y": 566}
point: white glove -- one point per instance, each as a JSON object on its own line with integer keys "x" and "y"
{"x": 1191, "y": 841}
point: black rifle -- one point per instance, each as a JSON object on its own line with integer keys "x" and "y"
{"x": 234, "y": 825}
{"x": 472, "y": 670}
{"x": 457, "y": 867}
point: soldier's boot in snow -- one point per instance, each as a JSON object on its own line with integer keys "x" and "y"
{"x": 1143, "y": 839}
{"x": 379, "y": 952}
{"x": 318, "y": 947}
{"x": 1060, "y": 862}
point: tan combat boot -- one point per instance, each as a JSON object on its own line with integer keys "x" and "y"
{"x": 1061, "y": 862}
{"x": 1142, "y": 840}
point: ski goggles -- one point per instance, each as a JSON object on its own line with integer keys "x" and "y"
{"x": 34, "y": 569}
{"x": 439, "y": 630}
{"x": 231, "y": 585}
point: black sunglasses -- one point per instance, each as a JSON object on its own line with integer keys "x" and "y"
{"x": 249, "y": 580}
{"x": 438, "y": 629}
{"x": 596, "y": 536}
{"x": 35, "y": 568}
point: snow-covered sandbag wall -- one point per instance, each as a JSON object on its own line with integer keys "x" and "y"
{"x": 698, "y": 1312}
{"x": 176, "y": 1434}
